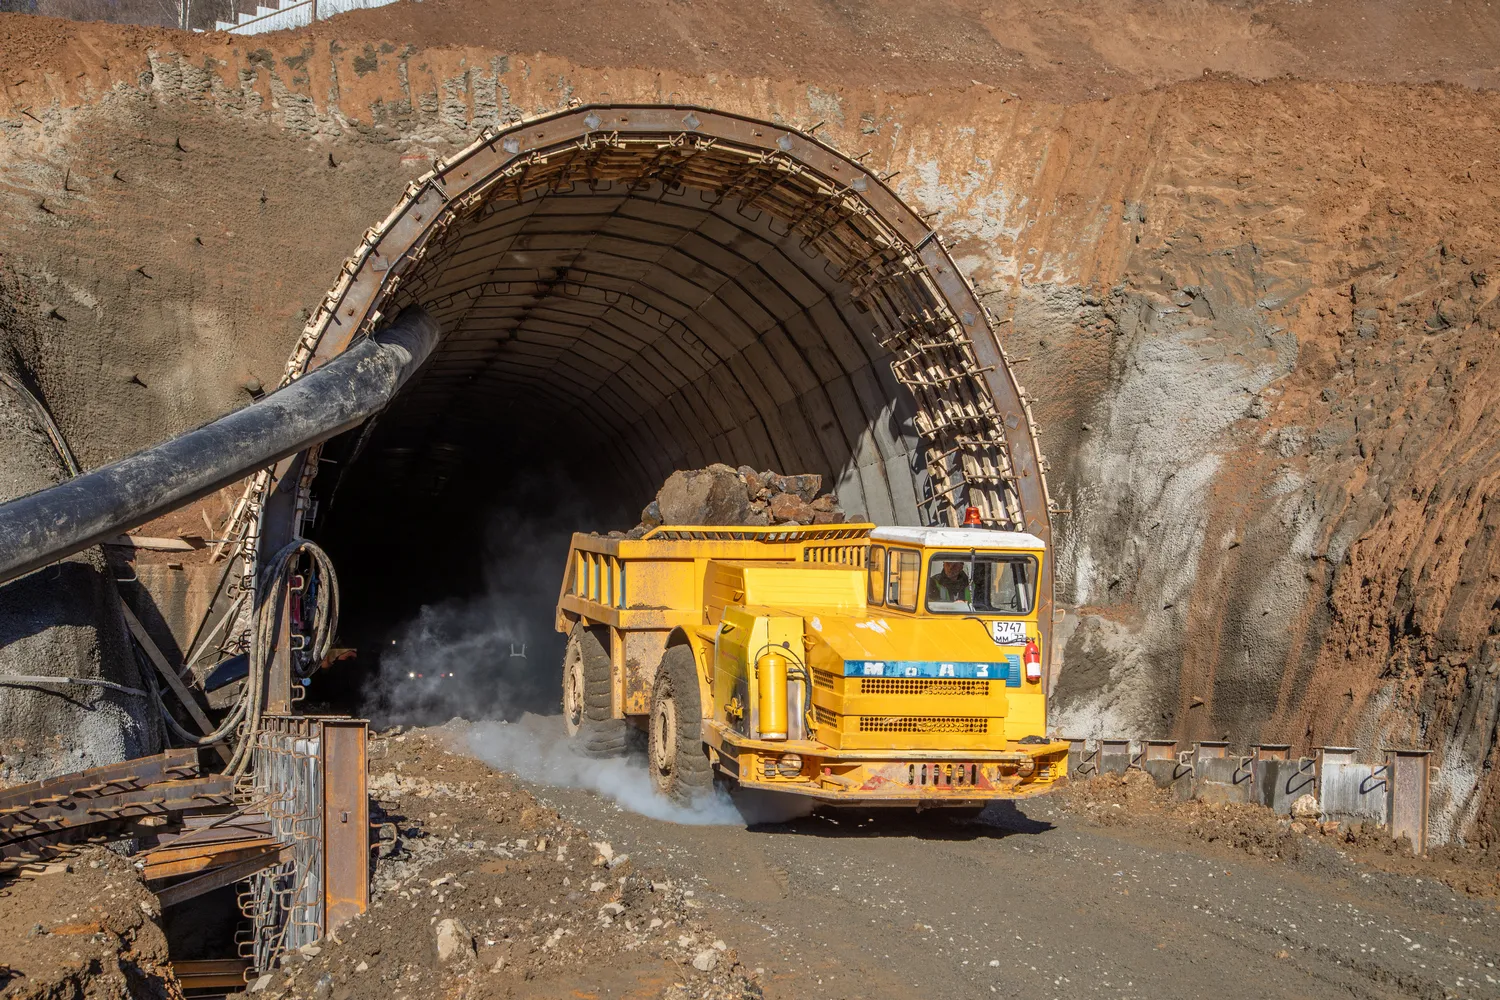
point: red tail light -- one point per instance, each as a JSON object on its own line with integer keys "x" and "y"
{"x": 1033, "y": 660}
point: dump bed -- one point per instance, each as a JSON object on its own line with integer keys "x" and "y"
{"x": 646, "y": 587}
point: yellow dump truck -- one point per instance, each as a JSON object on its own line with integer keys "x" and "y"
{"x": 850, "y": 663}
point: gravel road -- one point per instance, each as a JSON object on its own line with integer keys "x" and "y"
{"x": 1035, "y": 902}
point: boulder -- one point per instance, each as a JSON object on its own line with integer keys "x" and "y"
{"x": 1306, "y": 807}
{"x": 790, "y": 507}
{"x": 804, "y": 486}
{"x": 715, "y": 495}
{"x": 454, "y": 942}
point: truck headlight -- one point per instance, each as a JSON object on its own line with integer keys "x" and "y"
{"x": 789, "y": 765}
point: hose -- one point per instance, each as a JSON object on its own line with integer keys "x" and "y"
{"x": 186, "y": 735}
{"x": 273, "y": 581}
{"x": 27, "y": 680}
{"x": 43, "y": 417}
{"x": 248, "y": 710}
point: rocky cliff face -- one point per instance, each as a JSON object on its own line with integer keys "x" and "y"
{"x": 1257, "y": 318}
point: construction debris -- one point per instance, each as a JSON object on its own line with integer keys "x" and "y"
{"x": 486, "y": 892}
{"x": 723, "y": 495}
{"x": 84, "y": 927}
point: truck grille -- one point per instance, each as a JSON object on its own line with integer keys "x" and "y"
{"x": 922, "y": 685}
{"x": 825, "y": 717}
{"x": 823, "y": 679}
{"x": 969, "y": 725}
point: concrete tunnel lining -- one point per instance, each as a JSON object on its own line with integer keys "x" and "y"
{"x": 681, "y": 286}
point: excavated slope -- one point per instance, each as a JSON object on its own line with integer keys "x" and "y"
{"x": 1258, "y": 316}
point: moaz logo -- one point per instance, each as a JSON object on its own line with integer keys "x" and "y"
{"x": 934, "y": 669}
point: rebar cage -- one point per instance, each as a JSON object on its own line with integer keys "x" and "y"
{"x": 309, "y": 776}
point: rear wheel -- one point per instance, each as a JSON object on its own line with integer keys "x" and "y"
{"x": 678, "y": 759}
{"x": 587, "y": 697}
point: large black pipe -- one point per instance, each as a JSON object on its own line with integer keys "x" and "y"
{"x": 54, "y": 523}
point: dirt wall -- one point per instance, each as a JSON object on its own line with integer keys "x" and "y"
{"x": 1257, "y": 318}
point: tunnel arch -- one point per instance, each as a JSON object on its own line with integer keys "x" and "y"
{"x": 675, "y": 286}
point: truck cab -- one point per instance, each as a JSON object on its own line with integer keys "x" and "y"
{"x": 860, "y": 665}
{"x": 945, "y": 605}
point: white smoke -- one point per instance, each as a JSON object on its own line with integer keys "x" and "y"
{"x": 494, "y": 659}
{"x": 494, "y": 654}
{"x": 537, "y": 749}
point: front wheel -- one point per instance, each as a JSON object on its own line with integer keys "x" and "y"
{"x": 678, "y": 759}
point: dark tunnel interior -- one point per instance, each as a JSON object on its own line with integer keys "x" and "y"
{"x": 611, "y": 311}
{"x": 457, "y": 577}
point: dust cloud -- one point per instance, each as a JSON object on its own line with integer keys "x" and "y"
{"x": 491, "y": 655}
{"x": 494, "y": 659}
{"x": 537, "y": 749}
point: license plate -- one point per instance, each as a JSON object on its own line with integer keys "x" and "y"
{"x": 1008, "y": 633}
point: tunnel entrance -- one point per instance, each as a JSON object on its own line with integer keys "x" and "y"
{"x": 625, "y": 291}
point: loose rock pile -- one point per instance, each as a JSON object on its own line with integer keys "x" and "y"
{"x": 83, "y": 926}
{"x": 723, "y": 495}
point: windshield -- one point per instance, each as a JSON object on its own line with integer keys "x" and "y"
{"x": 983, "y": 582}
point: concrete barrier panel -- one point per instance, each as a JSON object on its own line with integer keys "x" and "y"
{"x": 1114, "y": 756}
{"x": 1279, "y": 783}
{"x": 1082, "y": 762}
{"x": 1349, "y": 791}
{"x": 1223, "y": 779}
{"x": 1160, "y": 759}
{"x": 1409, "y": 778}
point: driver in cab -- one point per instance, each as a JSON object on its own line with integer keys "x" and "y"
{"x": 949, "y": 586}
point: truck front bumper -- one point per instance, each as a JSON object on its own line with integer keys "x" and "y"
{"x": 923, "y": 779}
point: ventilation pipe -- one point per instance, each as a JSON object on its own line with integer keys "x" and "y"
{"x": 54, "y": 523}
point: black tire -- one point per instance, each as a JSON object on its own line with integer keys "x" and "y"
{"x": 588, "y": 702}
{"x": 676, "y": 756}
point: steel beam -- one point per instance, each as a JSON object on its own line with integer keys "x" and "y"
{"x": 98, "y": 780}
{"x": 1409, "y": 780}
{"x": 346, "y": 822}
{"x": 229, "y": 874}
{"x": 211, "y": 973}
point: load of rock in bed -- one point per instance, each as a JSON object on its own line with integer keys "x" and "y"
{"x": 722, "y": 495}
